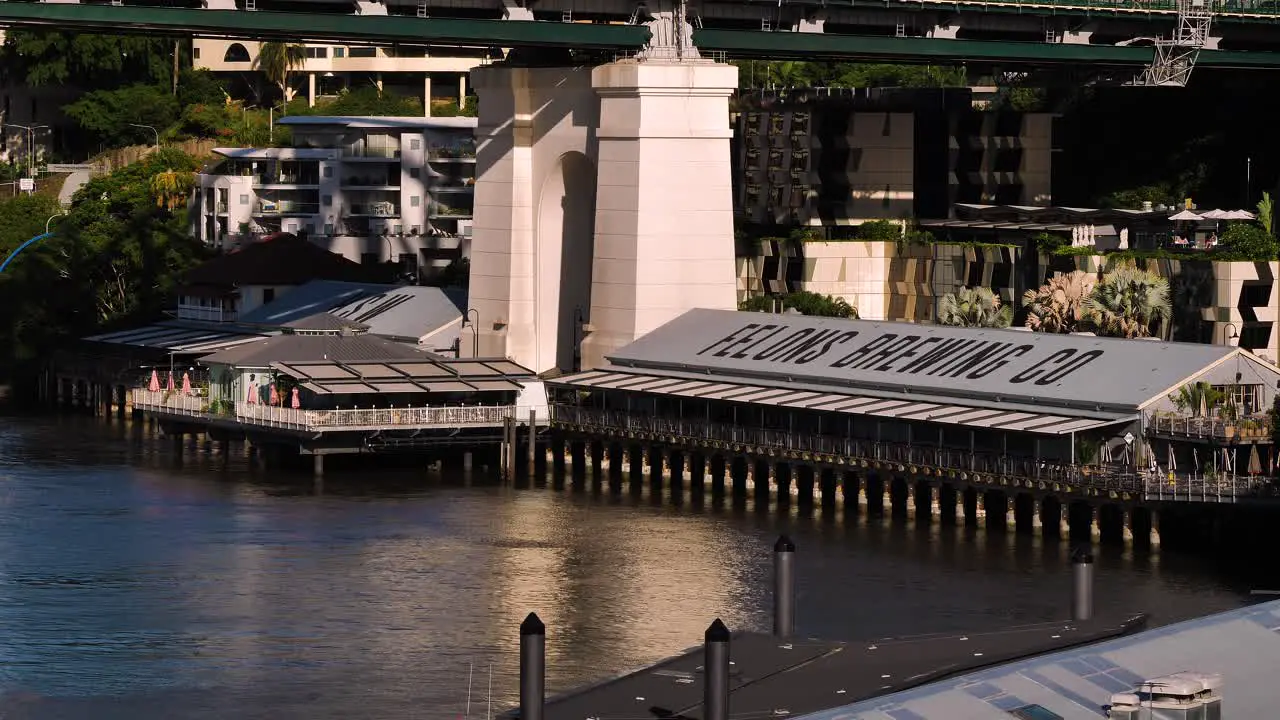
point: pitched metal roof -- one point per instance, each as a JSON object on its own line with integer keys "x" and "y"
{"x": 323, "y": 321}
{"x": 402, "y": 312}
{"x": 924, "y": 363}
{"x": 179, "y": 337}
{"x": 376, "y": 122}
{"x": 1242, "y": 646}
{"x": 424, "y": 375}
{"x": 304, "y": 348}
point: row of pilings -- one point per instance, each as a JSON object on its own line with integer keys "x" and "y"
{"x": 888, "y": 491}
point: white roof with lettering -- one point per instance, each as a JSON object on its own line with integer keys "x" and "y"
{"x": 929, "y": 362}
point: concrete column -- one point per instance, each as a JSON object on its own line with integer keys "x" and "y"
{"x": 1051, "y": 517}
{"x": 617, "y": 461}
{"x": 947, "y": 504}
{"x": 462, "y": 91}
{"x": 849, "y": 488}
{"x": 827, "y": 487}
{"x": 663, "y": 138}
{"x": 995, "y": 504}
{"x": 922, "y": 501}
{"x": 597, "y": 459}
{"x": 804, "y": 486}
{"x": 635, "y": 454}
{"x": 557, "y": 455}
{"x": 697, "y": 473}
{"x": 311, "y": 89}
{"x": 426, "y": 94}
{"x": 783, "y": 473}
{"x": 1080, "y": 523}
{"x": 899, "y": 491}
{"x": 970, "y": 502}
{"x": 1024, "y": 513}
{"x": 516, "y": 282}
{"x": 761, "y": 481}
{"x": 718, "y": 471}
{"x": 875, "y": 495}
{"x": 738, "y": 468}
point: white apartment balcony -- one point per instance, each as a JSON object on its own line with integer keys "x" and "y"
{"x": 187, "y": 311}
{"x": 285, "y": 207}
{"x": 215, "y": 56}
{"x": 374, "y": 209}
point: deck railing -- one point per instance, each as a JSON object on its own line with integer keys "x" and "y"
{"x": 1103, "y": 478}
{"x": 1242, "y": 431}
{"x": 176, "y": 403}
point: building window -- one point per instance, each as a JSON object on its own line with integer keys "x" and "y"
{"x": 397, "y": 230}
{"x": 339, "y": 52}
{"x": 317, "y": 52}
{"x": 368, "y": 258}
{"x": 415, "y": 201}
{"x": 268, "y": 294}
{"x": 328, "y": 171}
{"x": 415, "y": 173}
{"x": 327, "y": 200}
{"x": 195, "y": 53}
{"x": 244, "y": 199}
{"x": 236, "y": 53}
{"x": 415, "y": 144}
{"x": 364, "y": 52}
{"x": 328, "y": 228}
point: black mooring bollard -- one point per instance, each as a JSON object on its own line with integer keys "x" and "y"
{"x": 1082, "y": 579}
{"x": 715, "y": 670}
{"x": 533, "y": 667}
{"x": 784, "y": 587}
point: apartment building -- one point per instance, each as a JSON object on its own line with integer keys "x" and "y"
{"x": 841, "y": 157}
{"x": 370, "y": 189}
{"x": 412, "y": 71}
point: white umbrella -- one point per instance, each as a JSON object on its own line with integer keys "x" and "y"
{"x": 1216, "y": 215}
{"x": 1185, "y": 215}
{"x": 1239, "y": 215}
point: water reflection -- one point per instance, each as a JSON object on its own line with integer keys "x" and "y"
{"x": 131, "y": 587}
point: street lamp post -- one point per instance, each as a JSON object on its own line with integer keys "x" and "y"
{"x": 51, "y": 217}
{"x": 475, "y": 332}
{"x": 1229, "y": 333}
{"x": 148, "y": 127}
{"x": 28, "y": 138}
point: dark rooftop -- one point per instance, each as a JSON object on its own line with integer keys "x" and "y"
{"x": 771, "y": 677}
{"x": 279, "y": 259}
{"x": 308, "y": 348}
{"x": 325, "y": 321}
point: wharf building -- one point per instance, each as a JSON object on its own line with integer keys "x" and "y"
{"x": 373, "y": 190}
{"x": 831, "y": 157}
{"x": 1066, "y": 429}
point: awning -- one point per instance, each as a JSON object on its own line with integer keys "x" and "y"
{"x": 426, "y": 376}
{"x": 948, "y": 413}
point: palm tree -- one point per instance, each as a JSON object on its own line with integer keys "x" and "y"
{"x": 172, "y": 188}
{"x": 1129, "y": 303}
{"x": 974, "y": 307}
{"x": 1058, "y": 305}
{"x": 276, "y": 60}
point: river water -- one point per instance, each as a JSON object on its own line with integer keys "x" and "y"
{"x": 131, "y": 587}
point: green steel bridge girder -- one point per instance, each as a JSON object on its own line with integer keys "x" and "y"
{"x": 371, "y": 29}
{"x": 356, "y": 29}
{"x": 826, "y": 46}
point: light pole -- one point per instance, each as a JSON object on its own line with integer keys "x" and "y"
{"x": 1234, "y": 334}
{"x": 46, "y": 222}
{"x": 26, "y": 139}
{"x": 148, "y": 127}
{"x": 475, "y": 332}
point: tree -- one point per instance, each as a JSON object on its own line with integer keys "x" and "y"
{"x": 1267, "y": 214}
{"x": 1058, "y": 305}
{"x": 803, "y": 302}
{"x": 113, "y": 259}
{"x": 276, "y": 60}
{"x": 105, "y": 116}
{"x": 60, "y": 57}
{"x": 974, "y": 307}
{"x": 1129, "y": 303}
{"x": 1246, "y": 241}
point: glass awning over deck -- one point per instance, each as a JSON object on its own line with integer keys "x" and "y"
{"x": 801, "y": 399}
{"x": 330, "y": 377}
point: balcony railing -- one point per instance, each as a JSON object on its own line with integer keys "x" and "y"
{"x": 1149, "y": 485}
{"x": 201, "y": 312}
{"x": 374, "y": 152}
{"x": 287, "y": 208}
{"x": 1246, "y": 430}
{"x": 176, "y": 403}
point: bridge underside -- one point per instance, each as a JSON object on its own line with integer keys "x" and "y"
{"x": 593, "y": 36}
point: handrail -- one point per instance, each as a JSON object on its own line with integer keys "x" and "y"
{"x": 176, "y": 403}
{"x": 1202, "y": 427}
{"x": 1148, "y": 485}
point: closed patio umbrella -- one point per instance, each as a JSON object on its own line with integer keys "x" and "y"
{"x": 251, "y": 396}
{"x": 1255, "y": 462}
{"x": 275, "y": 396}
{"x": 169, "y": 386}
{"x": 154, "y": 386}
{"x": 186, "y": 384}
{"x": 294, "y": 401}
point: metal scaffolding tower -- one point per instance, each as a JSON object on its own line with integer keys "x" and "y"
{"x": 1176, "y": 57}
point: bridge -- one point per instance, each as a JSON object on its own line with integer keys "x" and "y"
{"x": 604, "y": 133}
{"x": 1102, "y": 33}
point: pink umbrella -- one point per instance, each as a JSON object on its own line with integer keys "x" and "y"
{"x": 275, "y": 396}
{"x": 252, "y": 396}
{"x": 155, "y": 382}
{"x": 294, "y": 401}
{"x": 169, "y": 387}
{"x": 186, "y": 384}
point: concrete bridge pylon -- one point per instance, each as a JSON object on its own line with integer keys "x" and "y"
{"x": 603, "y": 204}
